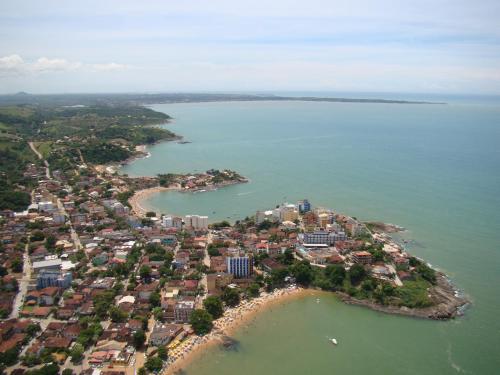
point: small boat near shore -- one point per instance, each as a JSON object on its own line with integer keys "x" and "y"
{"x": 334, "y": 341}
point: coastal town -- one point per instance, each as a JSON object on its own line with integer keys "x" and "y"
{"x": 91, "y": 286}
{"x": 93, "y": 283}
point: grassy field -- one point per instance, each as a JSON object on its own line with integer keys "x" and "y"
{"x": 414, "y": 293}
{"x": 44, "y": 148}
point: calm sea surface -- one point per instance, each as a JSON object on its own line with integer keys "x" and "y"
{"x": 434, "y": 169}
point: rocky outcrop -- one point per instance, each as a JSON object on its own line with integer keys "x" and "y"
{"x": 447, "y": 303}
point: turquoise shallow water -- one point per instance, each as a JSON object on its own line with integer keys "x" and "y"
{"x": 432, "y": 169}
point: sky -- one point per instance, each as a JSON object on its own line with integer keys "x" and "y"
{"x": 405, "y": 46}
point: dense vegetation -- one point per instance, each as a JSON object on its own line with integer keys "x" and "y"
{"x": 67, "y": 137}
{"x": 15, "y": 155}
{"x": 102, "y": 152}
{"x": 358, "y": 282}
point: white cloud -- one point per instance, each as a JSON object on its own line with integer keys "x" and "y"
{"x": 11, "y": 65}
{"x": 108, "y": 67}
{"x": 15, "y": 65}
{"x": 44, "y": 64}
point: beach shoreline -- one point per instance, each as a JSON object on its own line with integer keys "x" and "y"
{"x": 233, "y": 319}
{"x": 136, "y": 201}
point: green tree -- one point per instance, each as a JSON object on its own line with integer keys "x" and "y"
{"x": 155, "y": 299}
{"x": 213, "y": 305}
{"x": 145, "y": 272}
{"x": 9, "y": 357}
{"x": 213, "y": 251}
{"x": 426, "y": 272}
{"x": 230, "y": 296}
{"x": 139, "y": 338}
{"x": 253, "y": 290}
{"x": 357, "y": 273}
{"x": 335, "y": 273}
{"x": 368, "y": 285}
{"x": 220, "y": 225}
{"x": 17, "y": 265}
{"x": 32, "y": 329}
{"x": 288, "y": 257}
{"x": 67, "y": 371}
{"x": 277, "y": 277}
{"x": 102, "y": 303}
{"x": 154, "y": 364}
{"x": 158, "y": 313}
{"x": 117, "y": 315}
{"x": 201, "y": 321}
{"x": 302, "y": 272}
{"x": 162, "y": 353}
{"x": 77, "y": 353}
{"x": 142, "y": 371}
{"x": 50, "y": 241}
{"x": 37, "y": 236}
{"x": 30, "y": 360}
{"x": 49, "y": 369}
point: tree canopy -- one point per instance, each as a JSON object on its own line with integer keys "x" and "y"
{"x": 201, "y": 321}
{"x": 213, "y": 305}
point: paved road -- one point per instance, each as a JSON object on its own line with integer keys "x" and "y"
{"x": 206, "y": 259}
{"x": 74, "y": 235}
{"x": 45, "y": 162}
{"x": 23, "y": 284}
{"x": 392, "y": 270}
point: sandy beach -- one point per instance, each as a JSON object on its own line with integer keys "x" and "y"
{"x": 136, "y": 200}
{"x": 232, "y": 320}
{"x": 140, "y": 195}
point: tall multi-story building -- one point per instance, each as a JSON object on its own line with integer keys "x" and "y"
{"x": 196, "y": 222}
{"x": 240, "y": 266}
{"x": 183, "y": 310}
{"x": 304, "y": 206}
{"x": 48, "y": 278}
{"x": 324, "y": 219}
{"x": 288, "y": 212}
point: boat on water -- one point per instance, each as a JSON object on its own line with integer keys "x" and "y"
{"x": 317, "y": 300}
{"x": 334, "y": 341}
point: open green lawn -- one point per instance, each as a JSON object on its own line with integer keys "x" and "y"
{"x": 414, "y": 293}
{"x": 44, "y": 148}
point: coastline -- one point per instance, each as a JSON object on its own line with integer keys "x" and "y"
{"x": 448, "y": 303}
{"x": 136, "y": 200}
{"x": 240, "y": 316}
{"x": 232, "y": 320}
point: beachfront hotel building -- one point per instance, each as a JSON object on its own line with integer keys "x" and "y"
{"x": 183, "y": 310}
{"x": 262, "y": 216}
{"x": 240, "y": 266}
{"x": 288, "y": 212}
{"x": 304, "y": 206}
{"x": 196, "y": 222}
{"x": 323, "y": 237}
{"x": 172, "y": 222}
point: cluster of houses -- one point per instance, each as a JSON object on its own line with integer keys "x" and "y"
{"x": 78, "y": 247}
